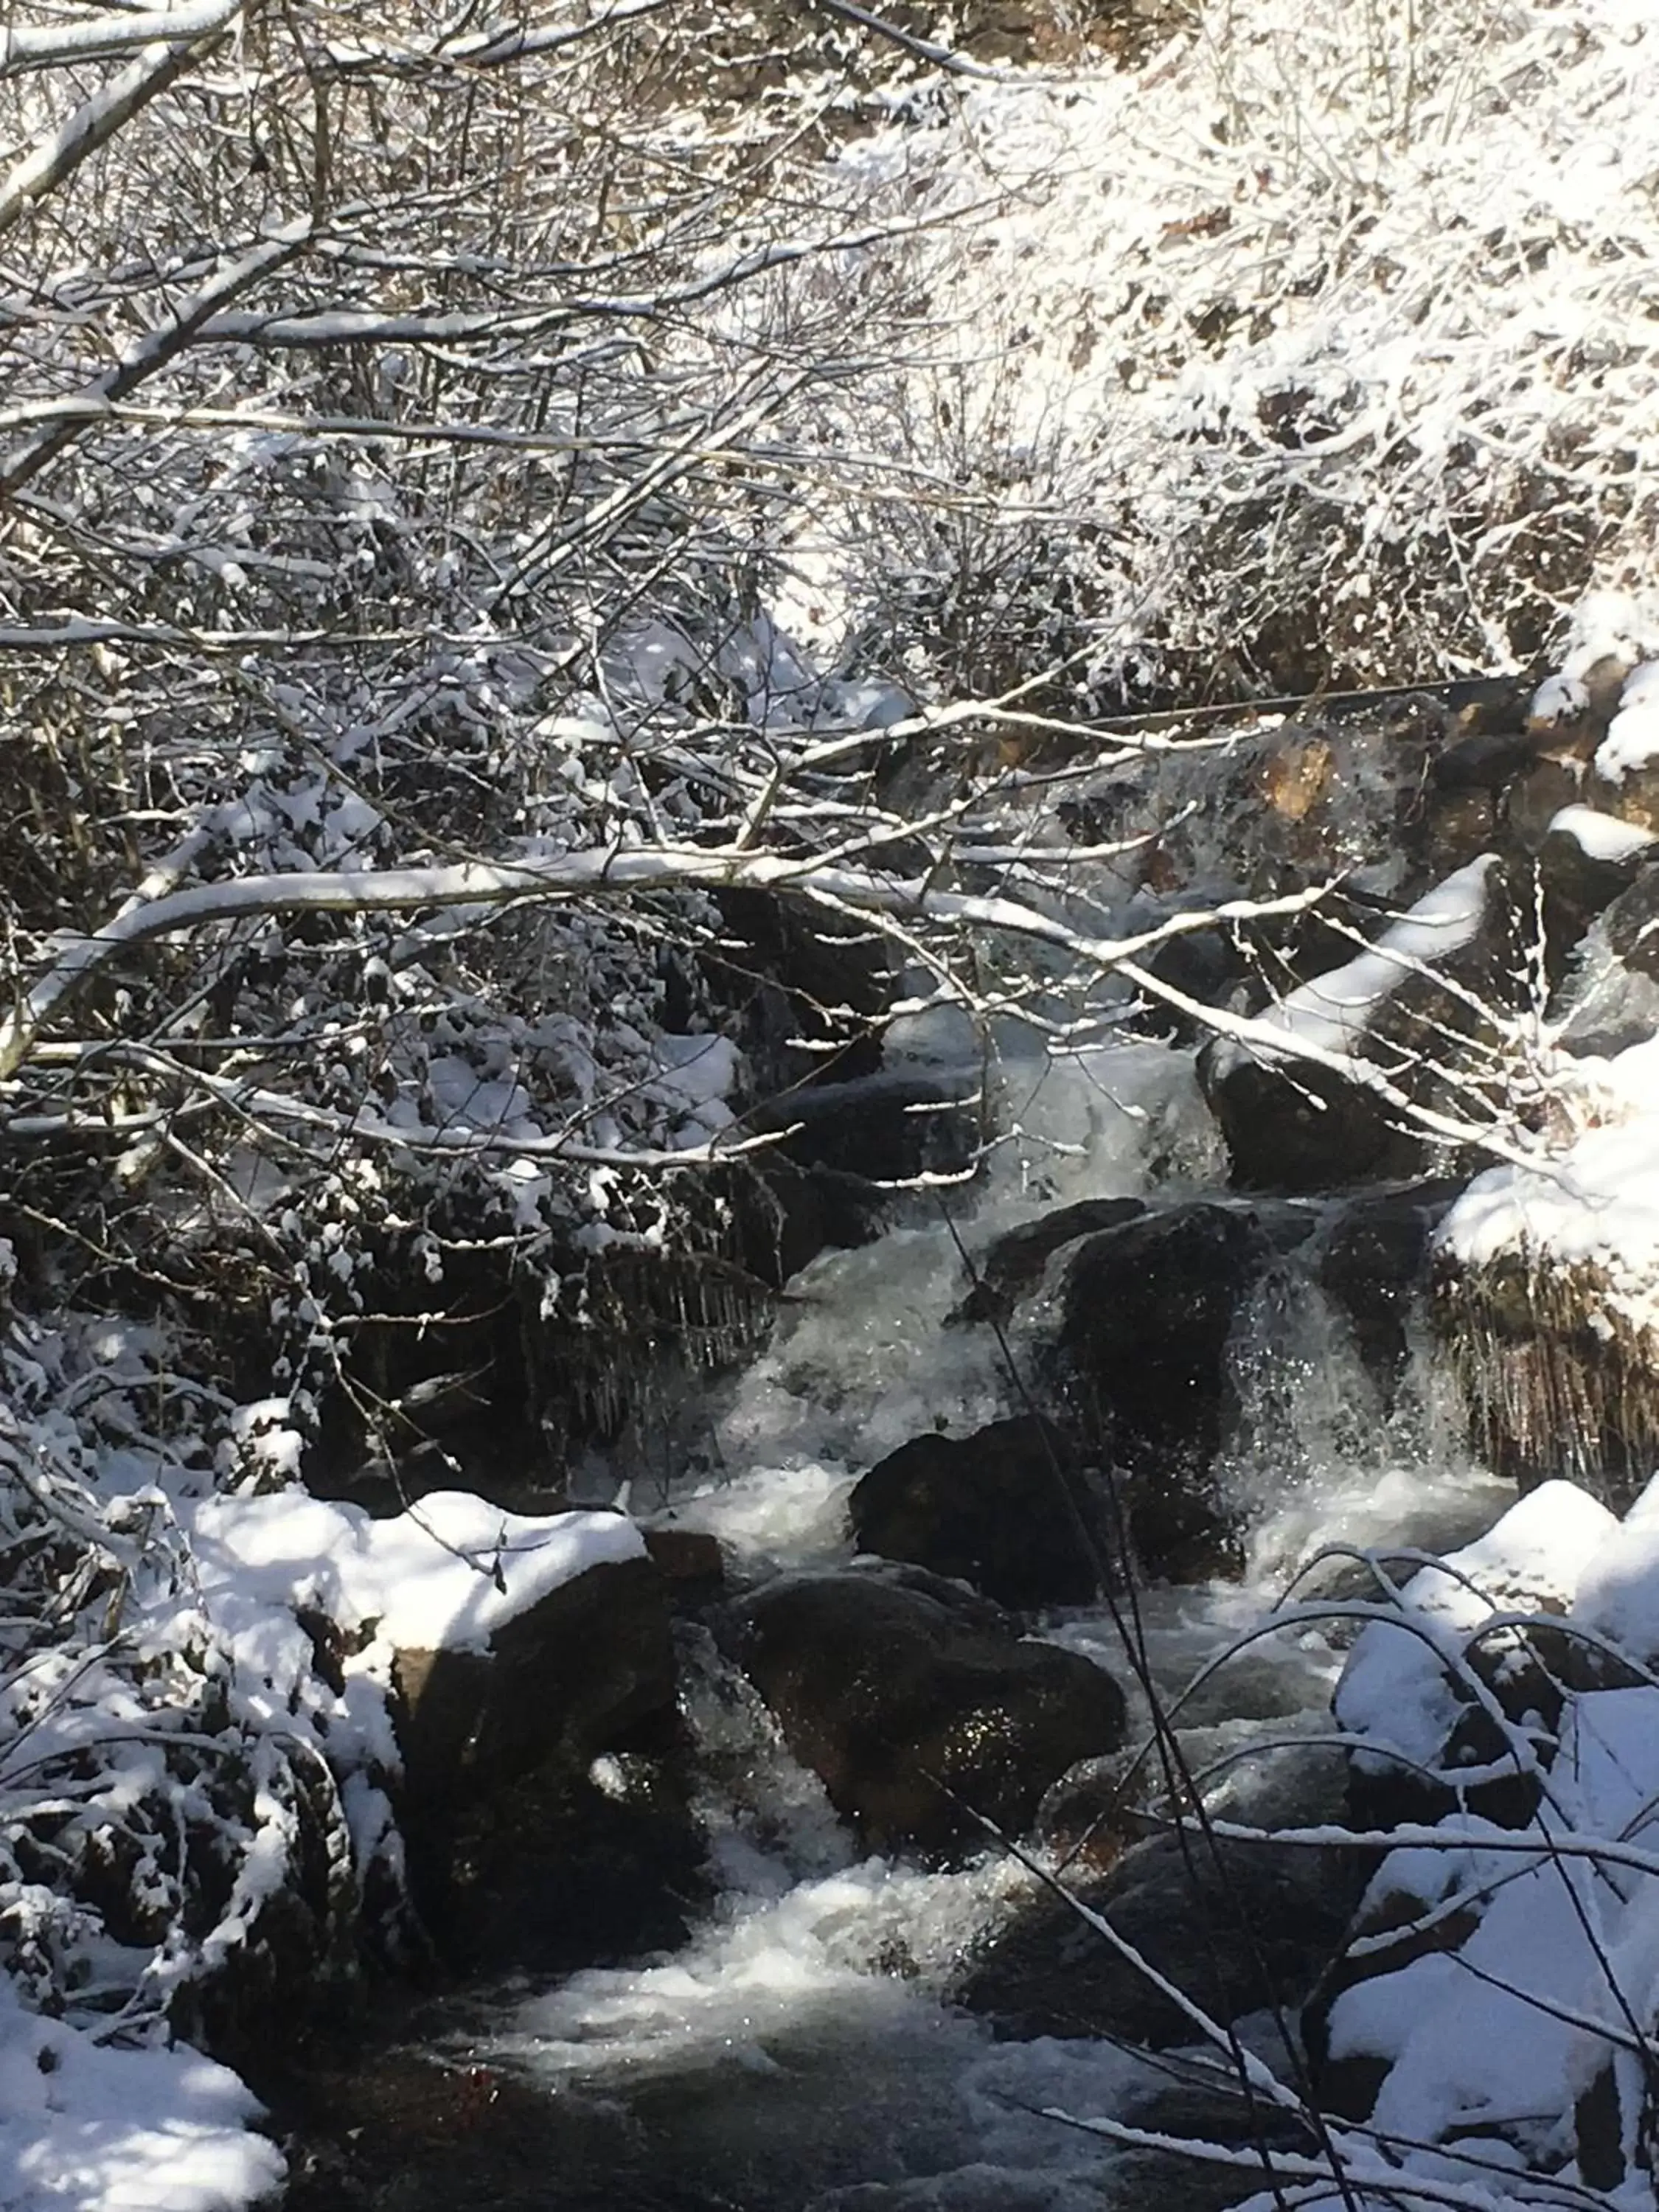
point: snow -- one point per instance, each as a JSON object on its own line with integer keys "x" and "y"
{"x": 1559, "y": 698}
{"x": 85, "y": 2127}
{"x": 107, "y": 35}
{"x": 1619, "y": 1591}
{"x": 1590, "y": 1202}
{"x": 1510, "y": 2027}
{"x": 1331, "y": 1013}
{"x": 1394, "y": 1689}
{"x": 1608, "y": 630}
{"x": 1632, "y": 738}
{"x": 1601, "y": 836}
{"x": 443, "y": 1576}
{"x": 1504, "y": 2030}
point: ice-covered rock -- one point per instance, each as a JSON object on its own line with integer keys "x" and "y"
{"x": 1148, "y": 1310}
{"x": 1007, "y": 1510}
{"x": 1547, "y": 1289}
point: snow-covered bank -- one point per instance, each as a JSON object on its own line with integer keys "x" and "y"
{"x": 87, "y": 2128}
{"x": 1497, "y": 2033}
{"x": 1300, "y": 321}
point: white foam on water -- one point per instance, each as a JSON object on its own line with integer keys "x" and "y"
{"x": 799, "y": 2041}
{"x": 862, "y": 1359}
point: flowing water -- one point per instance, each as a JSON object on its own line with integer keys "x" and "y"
{"x": 799, "y": 2054}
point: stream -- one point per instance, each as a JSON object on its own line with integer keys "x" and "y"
{"x": 802, "y": 2052}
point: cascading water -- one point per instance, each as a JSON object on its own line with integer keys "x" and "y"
{"x": 802, "y": 2049}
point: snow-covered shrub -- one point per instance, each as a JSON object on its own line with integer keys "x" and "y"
{"x": 175, "y": 1839}
{"x": 1319, "y": 350}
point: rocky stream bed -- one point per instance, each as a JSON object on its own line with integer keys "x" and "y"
{"x": 955, "y": 1762}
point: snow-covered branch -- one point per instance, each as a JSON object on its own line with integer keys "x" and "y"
{"x": 50, "y": 45}
{"x": 60, "y": 152}
{"x": 156, "y": 348}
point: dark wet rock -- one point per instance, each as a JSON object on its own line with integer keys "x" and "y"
{"x": 1633, "y": 922}
{"x": 514, "y": 1850}
{"x": 560, "y": 1873}
{"x": 841, "y": 1149}
{"x": 1488, "y": 760}
{"x": 1237, "y": 1927}
{"x": 1373, "y": 1264}
{"x": 1088, "y": 1815}
{"x": 583, "y": 1671}
{"x": 1314, "y": 1132}
{"x": 1094, "y": 1813}
{"x": 809, "y": 1210}
{"x": 689, "y": 1561}
{"x": 1322, "y": 794}
{"x": 917, "y": 1704}
{"x": 1148, "y": 1309}
{"x": 1310, "y": 799}
{"x": 809, "y": 1000}
{"x": 1210, "y": 966}
{"x": 1008, "y": 1509}
{"x": 1013, "y": 1265}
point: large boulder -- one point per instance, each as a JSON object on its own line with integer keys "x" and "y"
{"x": 583, "y": 1670}
{"x": 544, "y": 1820}
{"x": 1008, "y": 1509}
{"x": 918, "y": 1705}
{"x": 1372, "y": 1262}
{"x": 1013, "y": 1265}
{"x": 1148, "y": 1309}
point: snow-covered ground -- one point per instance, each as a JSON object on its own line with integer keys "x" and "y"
{"x": 87, "y": 2128}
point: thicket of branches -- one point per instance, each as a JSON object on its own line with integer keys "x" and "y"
{"x": 434, "y": 441}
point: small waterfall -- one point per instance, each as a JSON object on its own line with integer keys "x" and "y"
{"x": 800, "y": 2052}
{"x": 1325, "y": 1450}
